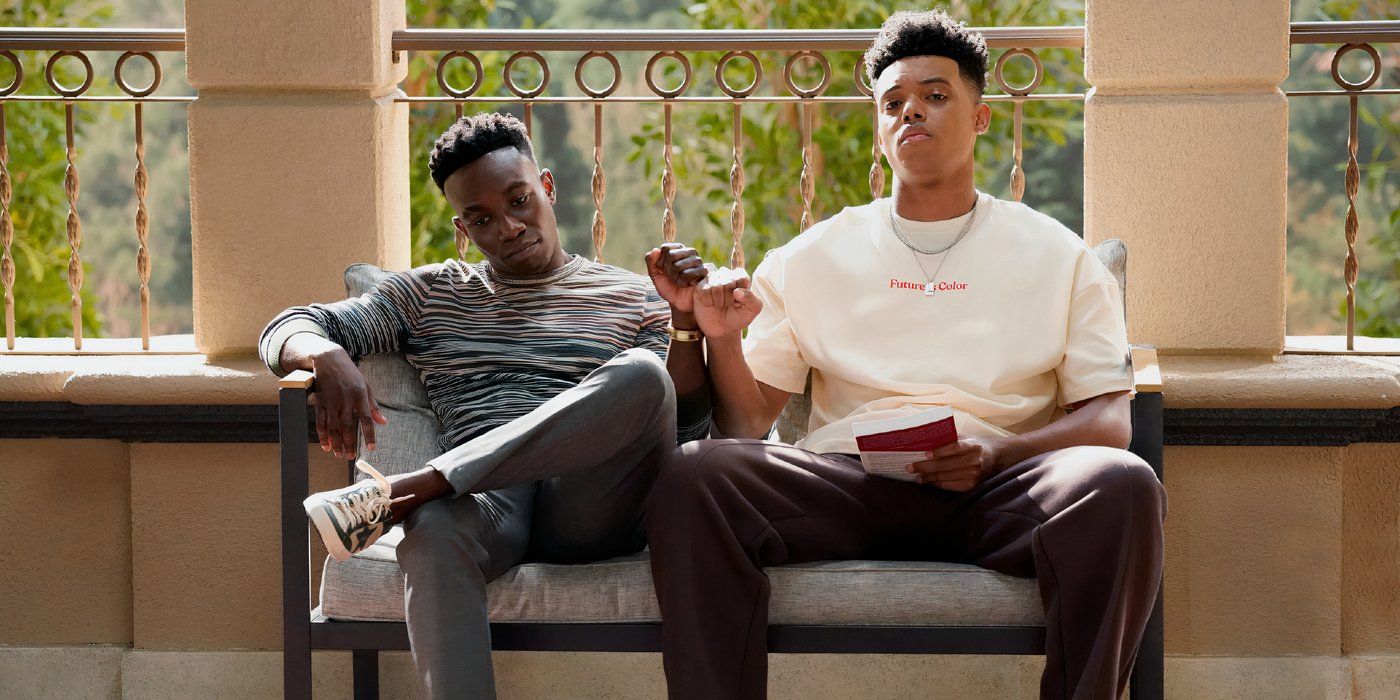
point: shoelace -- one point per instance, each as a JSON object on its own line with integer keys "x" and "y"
{"x": 365, "y": 506}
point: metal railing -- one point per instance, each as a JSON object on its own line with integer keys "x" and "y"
{"x": 737, "y": 45}
{"x": 1352, "y": 36}
{"x": 526, "y": 45}
{"x": 74, "y": 44}
{"x": 740, "y": 45}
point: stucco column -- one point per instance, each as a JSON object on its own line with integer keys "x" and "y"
{"x": 298, "y": 156}
{"x": 1186, "y": 159}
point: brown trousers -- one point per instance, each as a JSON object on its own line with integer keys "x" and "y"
{"x": 1087, "y": 521}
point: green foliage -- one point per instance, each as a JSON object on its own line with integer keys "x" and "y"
{"x": 842, "y": 134}
{"x": 38, "y": 207}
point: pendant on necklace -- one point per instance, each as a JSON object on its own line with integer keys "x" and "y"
{"x": 928, "y": 289}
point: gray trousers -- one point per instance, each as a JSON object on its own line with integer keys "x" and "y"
{"x": 566, "y": 483}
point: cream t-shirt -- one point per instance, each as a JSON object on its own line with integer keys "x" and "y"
{"x": 1025, "y": 320}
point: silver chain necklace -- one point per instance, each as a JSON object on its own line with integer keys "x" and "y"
{"x": 914, "y": 250}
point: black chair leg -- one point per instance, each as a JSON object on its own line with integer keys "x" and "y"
{"x": 366, "y": 664}
{"x": 296, "y": 571}
{"x": 1147, "y": 681}
{"x": 296, "y": 673}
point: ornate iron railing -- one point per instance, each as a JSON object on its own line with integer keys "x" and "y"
{"x": 1362, "y": 37}
{"x": 74, "y": 45}
{"x": 527, "y": 45}
{"x": 737, "y": 45}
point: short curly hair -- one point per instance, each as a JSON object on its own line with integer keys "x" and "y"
{"x": 472, "y": 137}
{"x": 931, "y": 33}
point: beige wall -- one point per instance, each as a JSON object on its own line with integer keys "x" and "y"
{"x": 1371, "y": 549}
{"x": 1254, "y": 550}
{"x": 1283, "y": 550}
{"x": 112, "y": 672}
{"x": 163, "y": 546}
{"x": 1185, "y": 159}
{"x": 65, "y": 557}
{"x": 231, "y": 43}
{"x": 206, "y": 561}
{"x": 1203, "y": 231}
{"x": 298, "y": 156}
{"x": 1270, "y": 550}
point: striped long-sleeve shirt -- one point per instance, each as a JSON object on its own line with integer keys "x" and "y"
{"x": 491, "y": 348}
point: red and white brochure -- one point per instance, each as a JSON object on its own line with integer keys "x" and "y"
{"x": 888, "y": 447}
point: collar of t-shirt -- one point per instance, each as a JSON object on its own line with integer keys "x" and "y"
{"x": 558, "y": 274}
{"x": 932, "y": 235}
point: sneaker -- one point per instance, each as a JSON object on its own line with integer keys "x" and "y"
{"x": 352, "y": 518}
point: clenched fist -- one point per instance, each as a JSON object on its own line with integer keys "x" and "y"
{"x": 675, "y": 269}
{"x": 724, "y": 304}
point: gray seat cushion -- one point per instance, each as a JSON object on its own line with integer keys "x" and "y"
{"x": 370, "y": 587}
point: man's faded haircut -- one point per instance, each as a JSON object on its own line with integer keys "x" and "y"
{"x": 931, "y": 33}
{"x": 472, "y": 137}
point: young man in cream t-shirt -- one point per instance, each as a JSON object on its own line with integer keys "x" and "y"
{"x": 938, "y": 296}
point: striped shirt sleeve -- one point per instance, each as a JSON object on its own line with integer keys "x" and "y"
{"x": 693, "y": 409}
{"x": 693, "y": 415}
{"x": 377, "y": 321}
{"x": 656, "y": 319}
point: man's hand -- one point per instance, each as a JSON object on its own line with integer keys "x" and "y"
{"x": 724, "y": 304}
{"x": 958, "y": 466}
{"x": 675, "y": 269}
{"x": 343, "y": 403}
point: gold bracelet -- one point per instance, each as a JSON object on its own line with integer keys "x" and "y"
{"x": 685, "y": 336}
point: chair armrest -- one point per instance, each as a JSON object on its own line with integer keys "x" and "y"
{"x": 1147, "y": 375}
{"x": 1147, "y": 408}
{"x": 297, "y": 379}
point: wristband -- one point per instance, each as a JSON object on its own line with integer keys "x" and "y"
{"x": 684, "y": 336}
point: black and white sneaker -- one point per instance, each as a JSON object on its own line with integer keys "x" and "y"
{"x": 352, "y": 518}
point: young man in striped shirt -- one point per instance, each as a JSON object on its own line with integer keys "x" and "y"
{"x": 546, "y": 372}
